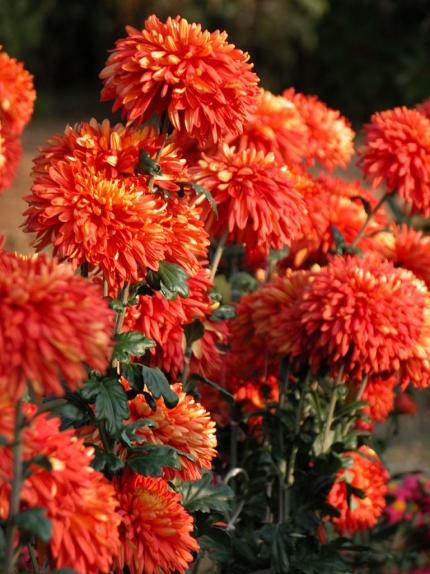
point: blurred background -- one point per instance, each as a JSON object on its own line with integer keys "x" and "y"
{"x": 359, "y": 56}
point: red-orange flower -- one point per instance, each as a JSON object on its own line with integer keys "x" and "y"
{"x": 80, "y": 502}
{"x": 397, "y": 151}
{"x": 205, "y": 85}
{"x": 10, "y": 154}
{"x": 156, "y": 532}
{"x": 405, "y": 404}
{"x": 408, "y": 248}
{"x": 275, "y": 126}
{"x": 330, "y": 137}
{"x": 379, "y": 394}
{"x": 370, "y": 476}
{"x": 17, "y": 94}
{"x": 424, "y": 107}
{"x": 257, "y": 201}
{"x": 112, "y": 224}
{"x": 254, "y": 394}
{"x": 361, "y": 314}
{"x": 52, "y": 324}
{"x": 187, "y": 427}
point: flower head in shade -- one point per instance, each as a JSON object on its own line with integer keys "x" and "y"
{"x": 367, "y": 474}
{"x": 257, "y": 201}
{"x": 10, "y": 154}
{"x": 203, "y": 83}
{"x": 424, "y": 107}
{"x": 275, "y": 126}
{"x": 379, "y": 394}
{"x": 52, "y": 324}
{"x": 408, "y": 248}
{"x": 112, "y": 224}
{"x": 330, "y": 137}
{"x": 187, "y": 427}
{"x": 17, "y": 94}
{"x": 80, "y": 502}
{"x": 397, "y": 152}
{"x": 360, "y": 314}
{"x": 405, "y": 404}
{"x": 156, "y": 531}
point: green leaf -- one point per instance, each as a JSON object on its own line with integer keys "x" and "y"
{"x": 159, "y": 386}
{"x": 150, "y": 459}
{"x": 106, "y": 461}
{"x": 243, "y": 282}
{"x": 35, "y": 521}
{"x": 338, "y": 238}
{"x": 3, "y": 440}
{"x": 112, "y": 404}
{"x": 117, "y": 305}
{"x": 64, "y": 571}
{"x": 128, "y": 433}
{"x": 223, "y": 392}
{"x": 194, "y": 331}
{"x": 133, "y": 373}
{"x": 147, "y": 165}
{"x": 202, "y": 191}
{"x": 201, "y": 495}
{"x": 91, "y": 389}
{"x": 224, "y": 312}
{"x": 366, "y": 203}
{"x": 217, "y": 542}
{"x": 174, "y": 278}
{"x": 131, "y": 344}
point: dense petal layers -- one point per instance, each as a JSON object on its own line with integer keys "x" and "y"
{"x": 52, "y": 324}
{"x": 257, "y": 201}
{"x": 368, "y": 475}
{"x": 397, "y": 152}
{"x": 10, "y": 154}
{"x": 80, "y": 502}
{"x": 202, "y": 82}
{"x": 330, "y": 137}
{"x": 187, "y": 427}
{"x": 17, "y": 94}
{"x": 156, "y": 532}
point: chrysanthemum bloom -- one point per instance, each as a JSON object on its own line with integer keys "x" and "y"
{"x": 424, "y": 107}
{"x": 187, "y": 427}
{"x": 332, "y": 204}
{"x": 80, "y": 502}
{"x": 156, "y": 531}
{"x": 415, "y": 370}
{"x": 379, "y": 394}
{"x": 17, "y": 94}
{"x": 257, "y": 202}
{"x": 397, "y": 152}
{"x": 253, "y": 395}
{"x": 370, "y": 476}
{"x": 408, "y": 248}
{"x": 156, "y": 316}
{"x": 52, "y": 324}
{"x": 10, "y": 154}
{"x": 405, "y": 404}
{"x": 330, "y": 137}
{"x": 203, "y": 83}
{"x": 112, "y": 224}
{"x": 361, "y": 314}
{"x": 275, "y": 126}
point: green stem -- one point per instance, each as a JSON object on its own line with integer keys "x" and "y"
{"x": 299, "y": 416}
{"x": 369, "y": 218}
{"x": 33, "y": 558}
{"x": 16, "y": 489}
{"x": 121, "y": 314}
{"x": 218, "y": 254}
{"x": 283, "y": 383}
{"x": 331, "y": 409}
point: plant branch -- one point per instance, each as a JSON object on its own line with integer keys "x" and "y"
{"x": 218, "y": 254}
{"x": 369, "y": 218}
{"x": 331, "y": 409}
{"x": 121, "y": 314}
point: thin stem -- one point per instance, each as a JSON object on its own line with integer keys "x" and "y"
{"x": 33, "y": 558}
{"x": 186, "y": 371}
{"x": 331, "y": 409}
{"x": 47, "y": 406}
{"x": 369, "y": 218}
{"x": 121, "y": 315}
{"x": 299, "y": 416}
{"x": 234, "y": 437}
{"x": 283, "y": 382}
{"x": 84, "y": 269}
{"x": 16, "y": 489}
{"x": 218, "y": 254}
{"x": 105, "y": 288}
{"x": 362, "y": 388}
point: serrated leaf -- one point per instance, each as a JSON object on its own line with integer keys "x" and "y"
{"x": 194, "y": 331}
{"x": 243, "y": 282}
{"x": 131, "y": 344}
{"x": 90, "y": 390}
{"x": 173, "y": 278}
{"x": 223, "y": 313}
{"x": 133, "y": 373}
{"x": 202, "y": 191}
{"x": 106, "y": 461}
{"x": 112, "y": 404}
{"x": 35, "y": 521}
{"x": 117, "y": 305}
{"x": 159, "y": 386}
{"x": 201, "y": 495}
{"x": 150, "y": 459}
{"x": 128, "y": 434}
{"x": 338, "y": 238}
{"x": 147, "y": 165}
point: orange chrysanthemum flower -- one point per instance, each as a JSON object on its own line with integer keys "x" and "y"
{"x": 186, "y": 427}
{"x": 10, "y": 154}
{"x": 112, "y": 224}
{"x": 52, "y": 324}
{"x": 408, "y": 248}
{"x": 275, "y": 126}
{"x": 332, "y": 204}
{"x": 379, "y": 394}
{"x": 257, "y": 201}
{"x": 397, "y": 151}
{"x": 156, "y": 532}
{"x": 371, "y": 477}
{"x": 361, "y": 314}
{"x": 424, "y": 107}
{"x": 330, "y": 137}
{"x": 254, "y": 394}
{"x": 17, "y": 94}
{"x": 204, "y": 84}
{"x": 79, "y": 501}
